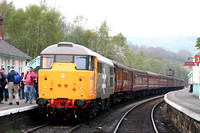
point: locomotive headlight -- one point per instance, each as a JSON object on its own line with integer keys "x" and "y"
{"x": 80, "y": 102}
{"x": 45, "y": 86}
{"x": 80, "y": 87}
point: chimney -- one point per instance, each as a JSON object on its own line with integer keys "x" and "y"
{"x": 1, "y": 27}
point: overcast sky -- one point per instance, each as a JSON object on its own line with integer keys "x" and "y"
{"x": 134, "y": 18}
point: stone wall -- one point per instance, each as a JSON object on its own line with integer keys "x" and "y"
{"x": 18, "y": 120}
{"x": 182, "y": 122}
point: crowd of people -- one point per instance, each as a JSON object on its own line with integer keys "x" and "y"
{"x": 27, "y": 89}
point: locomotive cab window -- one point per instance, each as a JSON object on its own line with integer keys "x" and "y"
{"x": 81, "y": 62}
{"x": 91, "y": 63}
{"x": 46, "y": 61}
{"x": 67, "y": 58}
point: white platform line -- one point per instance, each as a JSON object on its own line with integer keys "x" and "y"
{"x": 17, "y": 110}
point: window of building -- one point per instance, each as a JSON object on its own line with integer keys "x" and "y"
{"x": 13, "y": 62}
{"x": 20, "y": 62}
{"x": 2, "y": 61}
{"x": 8, "y": 61}
{"x": 20, "y": 66}
{"x": 20, "y": 70}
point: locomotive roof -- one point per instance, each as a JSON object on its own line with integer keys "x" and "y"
{"x": 74, "y": 49}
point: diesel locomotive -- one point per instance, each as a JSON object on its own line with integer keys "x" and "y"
{"x": 75, "y": 81}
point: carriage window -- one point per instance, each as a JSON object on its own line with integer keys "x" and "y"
{"x": 47, "y": 61}
{"x": 80, "y": 62}
{"x": 111, "y": 81}
{"x": 111, "y": 71}
{"x": 99, "y": 67}
{"x": 68, "y": 58}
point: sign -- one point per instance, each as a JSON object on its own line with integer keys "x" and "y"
{"x": 189, "y": 63}
{"x": 62, "y": 75}
{"x": 197, "y": 58}
{"x": 170, "y": 72}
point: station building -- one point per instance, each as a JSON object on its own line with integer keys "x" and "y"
{"x": 10, "y": 55}
{"x": 194, "y": 76}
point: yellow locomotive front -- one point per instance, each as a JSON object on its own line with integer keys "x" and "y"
{"x": 67, "y": 79}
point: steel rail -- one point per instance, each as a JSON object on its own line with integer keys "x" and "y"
{"x": 152, "y": 118}
{"x": 35, "y": 128}
{"x": 140, "y": 103}
{"x": 74, "y": 128}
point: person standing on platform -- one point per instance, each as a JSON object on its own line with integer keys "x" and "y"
{"x": 2, "y": 84}
{"x": 21, "y": 87}
{"x": 5, "y": 85}
{"x": 29, "y": 79}
{"x": 191, "y": 88}
{"x": 12, "y": 86}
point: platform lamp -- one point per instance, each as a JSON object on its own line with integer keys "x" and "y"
{"x": 170, "y": 72}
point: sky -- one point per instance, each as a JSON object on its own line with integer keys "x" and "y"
{"x": 133, "y": 18}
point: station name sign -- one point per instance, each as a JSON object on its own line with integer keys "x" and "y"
{"x": 189, "y": 63}
{"x": 197, "y": 58}
{"x": 196, "y": 61}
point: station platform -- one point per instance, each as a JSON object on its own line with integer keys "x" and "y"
{"x": 185, "y": 102}
{"x": 6, "y": 109}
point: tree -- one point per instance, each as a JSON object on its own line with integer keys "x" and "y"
{"x": 198, "y": 43}
{"x": 6, "y": 9}
{"x": 33, "y": 29}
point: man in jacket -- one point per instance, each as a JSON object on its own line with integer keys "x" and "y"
{"x": 12, "y": 86}
{"x": 29, "y": 79}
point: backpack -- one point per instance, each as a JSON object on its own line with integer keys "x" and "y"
{"x": 17, "y": 78}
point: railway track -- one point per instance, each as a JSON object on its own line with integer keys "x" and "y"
{"x": 153, "y": 120}
{"x": 35, "y": 128}
{"x": 117, "y": 119}
{"x": 139, "y": 117}
{"x": 53, "y": 127}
